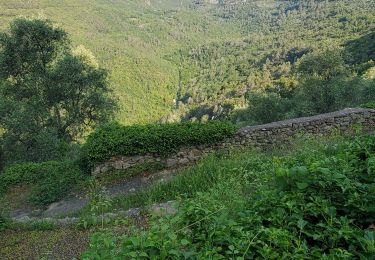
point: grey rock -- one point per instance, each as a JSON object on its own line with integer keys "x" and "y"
{"x": 183, "y": 161}
{"x": 163, "y": 209}
{"x": 172, "y": 162}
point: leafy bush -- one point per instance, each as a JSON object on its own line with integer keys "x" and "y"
{"x": 316, "y": 202}
{"x": 4, "y": 222}
{"x": 370, "y": 105}
{"x": 265, "y": 108}
{"x": 115, "y": 139}
{"x": 50, "y": 181}
{"x": 43, "y": 146}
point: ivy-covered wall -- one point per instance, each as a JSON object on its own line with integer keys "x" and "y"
{"x": 345, "y": 121}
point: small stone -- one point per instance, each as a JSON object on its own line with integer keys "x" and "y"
{"x": 163, "y": 209}
{"x": 118, "y": 165}
{"x": 171, "y": 162}
{"x": 183, "y": 161}
{"x": 133, "y": 212}
{"x": 181, "y": 154}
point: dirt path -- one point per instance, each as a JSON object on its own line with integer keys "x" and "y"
{"x": 72, "y": 205}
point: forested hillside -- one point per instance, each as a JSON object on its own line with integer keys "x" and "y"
{"x": 220, "y": 76}
{"x": 130, "y": 38}
{"x": 206, "y": 54}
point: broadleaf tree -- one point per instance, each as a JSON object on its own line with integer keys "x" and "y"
{"x": 50, "y": 94}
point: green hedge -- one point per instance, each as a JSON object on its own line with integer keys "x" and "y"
{"x": 50, "y": 181}
{"x": 115, "y": 139}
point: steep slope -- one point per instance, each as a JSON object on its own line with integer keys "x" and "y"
{"x": 130, "y": 38}
{"x": 276, "y": 34}
{"x": 221, "y": 48}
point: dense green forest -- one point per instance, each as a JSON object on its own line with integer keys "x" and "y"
{"x": 264, "y": 66}
{"x": 130, "y": 38}
{"x": 172, "y": 60}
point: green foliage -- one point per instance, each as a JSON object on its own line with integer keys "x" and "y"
{"x": 276, "y": 36}
{"x": 130, "y": 39}
{"x": 38, "y": 225}
{"x": 100, "y": 202}
{"x": 314, "y": 202}
{"x": 227, "y": 48}
{"x": 266, "y": 108}
{"x": 44, "y": 146}
{"x": 185, "y": 184}
{"x": 50, "y": 181}
{"x": 360, "y": 51}
{"x": 49, "y": 94}
{"x": 325, "y": 65}
{"x": 370, "y": 104}
{"x": 4, "y": 222}
{"x": 95, "y": 222}
{"x": 115, "y": 139}
{"x": 324, "y": 84}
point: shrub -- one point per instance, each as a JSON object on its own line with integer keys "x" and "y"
{"x": 115, "y": 139}
{"x": 50, "y": 181}
{"x": 370, "y": 105}
{"x": 4, "y": 222}
{"x": 266, "y": 108}
{"x": 43, "y": 146}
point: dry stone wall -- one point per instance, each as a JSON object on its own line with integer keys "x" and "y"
{"x": 262, "y": 136}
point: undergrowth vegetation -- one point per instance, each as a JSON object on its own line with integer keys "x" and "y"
{"x": 53, "y": 180}
{"x": 370, "y": 105}
{"x": 315, "y": 201}
{"x": 115, "y": 139}
{"x": 186, "y": 184}
{"x": 50, "y": 181}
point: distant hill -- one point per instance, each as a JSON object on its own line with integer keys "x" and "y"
{"x": 220, "y": 47}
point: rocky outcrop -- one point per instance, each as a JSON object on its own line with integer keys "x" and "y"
{"x": 345, "y": 121}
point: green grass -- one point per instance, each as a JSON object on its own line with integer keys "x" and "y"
{"x": 311, "y": 201}
{"x": 48, "y": 181}
{"x": 211, "y": 170}
{"x": 370, "y": 105}
{"x": 281, "y": 197}
{"x": 186, "y": 184}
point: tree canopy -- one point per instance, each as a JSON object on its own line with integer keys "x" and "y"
{"x": 49, "y": 92}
